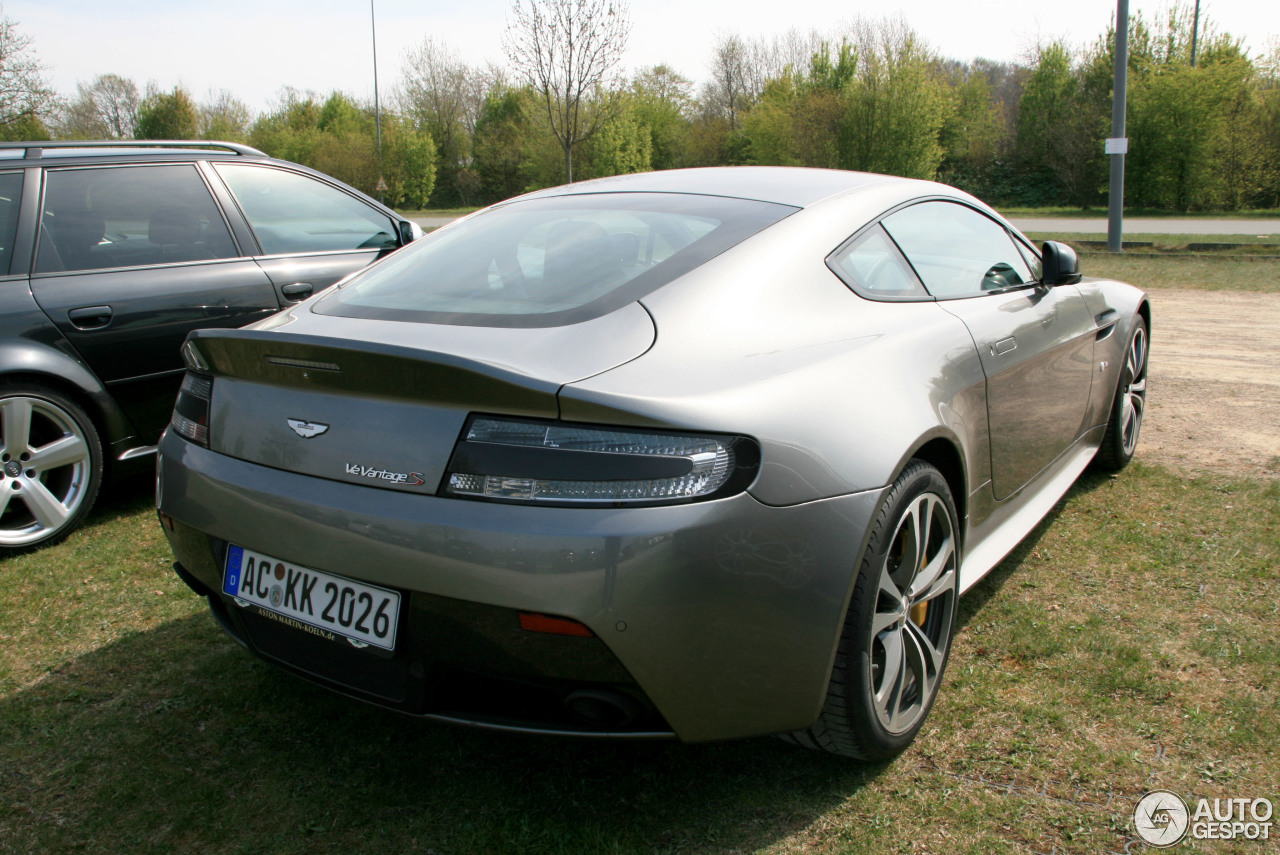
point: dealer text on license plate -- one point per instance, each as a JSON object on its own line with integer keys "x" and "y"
{"x": 363, "y": 614}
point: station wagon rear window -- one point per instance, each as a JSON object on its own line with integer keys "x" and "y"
{"x": 553, "y": 261}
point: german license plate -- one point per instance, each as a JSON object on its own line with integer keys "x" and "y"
{"x": 361, "y": 613}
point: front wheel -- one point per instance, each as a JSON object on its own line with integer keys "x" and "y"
{"x": 1128, "y": 406}
{"x": 897, "y": 633}
{"x": 50, "y": 466}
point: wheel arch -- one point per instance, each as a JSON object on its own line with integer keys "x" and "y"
{"x": 944, "y": 455}
{"x": 55, "y": 370}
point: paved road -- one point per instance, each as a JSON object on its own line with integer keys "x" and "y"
{"x": 433, "y": 222}
{"x": 1156, "y": 226}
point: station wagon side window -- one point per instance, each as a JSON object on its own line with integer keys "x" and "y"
{"x": 129, "y": 216}
{"x": 294, "y": 213}
{"x": 10, "y": 204}
{"x": 957, "y": 251}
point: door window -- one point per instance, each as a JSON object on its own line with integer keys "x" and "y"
{"x": 10, "y": 202}
{"x": 294, "y": 213}
{"x": 95, "y": 219}
{"x": 957, "y": 251}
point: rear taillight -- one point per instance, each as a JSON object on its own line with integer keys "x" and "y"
{"x": 191, "y": 411}
{"x": 560, "y": 463}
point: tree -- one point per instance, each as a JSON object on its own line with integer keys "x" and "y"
{"x": 568, "y": 51}
{"x": 735, "y": 80}
{"x": 289, "y": 131}
{"x": 408, "y": 163}
{"x": 24, "y": 94}
{"x": 896, "y": 104}
{"x": 661, "y": 101}
{"x": 441, "y": 95}
{"x": 224, "y": 117}
{"x": 167, "y": 116}
{"x": 623, "y": 145}
{"x": 105, "y": 109}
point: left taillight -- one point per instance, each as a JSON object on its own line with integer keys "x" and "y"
{"x": 191, "y": 410}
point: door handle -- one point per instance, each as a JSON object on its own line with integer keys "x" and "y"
{"x": 297, "y": 290}
{"x": 90, "y": 317}
{"x": 1003, "y": 346}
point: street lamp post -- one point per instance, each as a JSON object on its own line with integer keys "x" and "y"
{"x": 1118, "y": 144}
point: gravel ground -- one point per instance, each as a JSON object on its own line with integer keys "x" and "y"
{"x": 1214, "y": 383}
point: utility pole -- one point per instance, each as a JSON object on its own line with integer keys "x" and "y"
{"x": 377, "y": 112}
{"x": 1118, "y": 144}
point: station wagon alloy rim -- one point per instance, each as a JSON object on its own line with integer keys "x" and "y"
{"x": 912, "y": 623}
{"x": 44, "y": 463}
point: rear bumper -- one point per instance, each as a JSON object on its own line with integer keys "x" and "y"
{"x": 719, "y": 618}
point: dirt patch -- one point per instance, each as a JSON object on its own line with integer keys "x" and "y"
{"x": 1214, "y": 383}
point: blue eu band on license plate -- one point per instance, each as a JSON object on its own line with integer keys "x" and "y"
{"x": 314, "y": 600}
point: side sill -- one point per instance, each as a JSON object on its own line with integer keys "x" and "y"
{"x": 1009, "y": 530}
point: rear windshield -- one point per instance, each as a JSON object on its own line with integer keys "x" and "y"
{"x": 548, "y": 262}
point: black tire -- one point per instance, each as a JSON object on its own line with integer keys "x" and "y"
{"x": 1129, "y": 405}
{"x": 868, "y": 714}
{"x": 50, "y": 466}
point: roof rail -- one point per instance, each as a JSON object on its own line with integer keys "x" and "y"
{"x": 34, "y": 148}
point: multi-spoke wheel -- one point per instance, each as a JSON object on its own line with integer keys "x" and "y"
{"x": 50, "y": 466}
{"x": 1121, "y": 438}
{"x": 897, "y": 633}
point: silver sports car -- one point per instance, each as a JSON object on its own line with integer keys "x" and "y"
{"x": 708, "y": 453}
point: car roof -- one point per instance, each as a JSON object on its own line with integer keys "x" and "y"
{"x": 798, "y": 187}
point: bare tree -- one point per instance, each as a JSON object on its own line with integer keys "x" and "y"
{"x": 442, "y": 95}
{"x": 569, "y": 52}
{"x": 105, "y": 109}
{"x": 24, "y": 94}
{"x": 739, "y": 69}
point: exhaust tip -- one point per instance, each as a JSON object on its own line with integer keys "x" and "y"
{"x": 604, "y": 708}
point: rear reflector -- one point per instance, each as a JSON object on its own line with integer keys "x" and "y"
{"x": 554, "y": 625}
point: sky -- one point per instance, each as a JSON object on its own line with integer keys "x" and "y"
{"x": 253, "y": 48}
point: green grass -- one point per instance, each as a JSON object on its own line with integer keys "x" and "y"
{"x": 1129, "y": 642}
{"x": 1204, "y": 273}
{"x": 1172, "y": 243}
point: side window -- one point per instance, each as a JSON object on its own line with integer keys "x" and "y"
{"x": 106, "y": 217}
{"x": 957, "y": 251}
{"x": 294, "y": 213}
{"x": 873, "y": 266}
{"x": 10, "y": 202}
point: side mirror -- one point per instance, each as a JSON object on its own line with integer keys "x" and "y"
{"x": 1061, "y": 265}
{"x": 409, "y": 232}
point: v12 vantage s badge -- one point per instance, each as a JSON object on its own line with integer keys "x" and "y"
{"x": 408, "y": 479}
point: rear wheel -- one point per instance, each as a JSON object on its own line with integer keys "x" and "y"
{"x": 50, "y": 466}
{"x": 1129, "y": 405}
{"x": 897, "y": 633}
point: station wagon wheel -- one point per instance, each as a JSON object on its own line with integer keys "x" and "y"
{"x": 897, "y": 634}
{"x": 50, "y": 466}
{"x": 1129, "y": 405}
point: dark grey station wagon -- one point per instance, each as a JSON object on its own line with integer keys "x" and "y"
{"x": 110, "y": 253}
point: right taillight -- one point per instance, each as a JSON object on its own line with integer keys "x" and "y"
{"x": 544, "y": 462}
{"x": 191, "y": 410}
